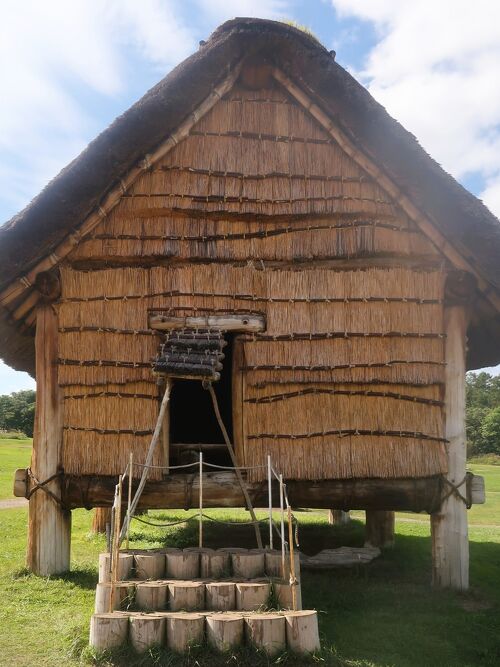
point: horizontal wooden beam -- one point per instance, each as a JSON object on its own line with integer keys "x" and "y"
{"x": 221, "y": 489}
{"x": 243, "y": 322}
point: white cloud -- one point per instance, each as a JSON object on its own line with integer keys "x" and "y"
{"x": 435, "y": 69}
{"x": 53, "y": 55}
{"x": 221, "y": 10}
{"x": 154, "y": 28}
{"x": 11, "y": 380}
{"x": 56, "y": 58}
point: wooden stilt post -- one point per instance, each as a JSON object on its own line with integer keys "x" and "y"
{"x": 101, "y": 516}
{"x": 338, "y": 517}
{"x": 379, "y": 529}
{"x": 49, "y": 525}
{"x": 450, "y": 543}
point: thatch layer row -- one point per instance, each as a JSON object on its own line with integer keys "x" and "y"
{"x": 349, "y": 457}
{"x": 94, "y": 420}
{"x": 286, "y": 242}
{"x": 209, "y": 279}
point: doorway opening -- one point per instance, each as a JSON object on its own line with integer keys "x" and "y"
{"x": 193, "y": 424}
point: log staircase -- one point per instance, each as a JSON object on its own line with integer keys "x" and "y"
{"x": 179, "y": 597}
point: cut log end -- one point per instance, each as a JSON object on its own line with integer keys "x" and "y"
{"x": 220, "y": 596}
{"x": 249, "y": 565}
{"x": 125, "y": 563}
{"x": 149, "y": 566}
{"x": 251, "y": 596}
{"x": 215, "y": 565}
{"x": 186, "y": 595}
{"x": 266, "y": 632}
{"x": 151, "y": 595}
{"x": 184, "y": 630}
{"x": 302, "y": 633}
{"x": 183, "y": 565}
{"x": 225, "y": 631}
{"x": 108, "y": 631}
{"x": 123, "y": 598}
{"x": 146, "y": 631}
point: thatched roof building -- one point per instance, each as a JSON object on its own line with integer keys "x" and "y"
{"x": 258, "y": 179}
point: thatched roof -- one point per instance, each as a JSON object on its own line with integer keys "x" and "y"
{"x": 72, "y": 195}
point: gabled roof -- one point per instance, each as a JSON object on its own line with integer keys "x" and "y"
{"x": 72, "y": 195}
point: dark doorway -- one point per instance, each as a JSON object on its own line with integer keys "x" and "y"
{"x": 192, "y": 416}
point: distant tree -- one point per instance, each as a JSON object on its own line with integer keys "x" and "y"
{"x": 483, "y": 413}
{"x": 17, "y": 411}
{"x": 490, "y": 431}
{"x": 474, "y": 421}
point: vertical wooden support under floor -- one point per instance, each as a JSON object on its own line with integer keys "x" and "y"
{"x": 49, "y": 526}
{"x": 338, "y": 517}
{"x": 379, "y": 529}
{"x": 450, "y": 542}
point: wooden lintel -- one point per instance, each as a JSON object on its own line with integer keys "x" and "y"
{"x": 228, "y": 322}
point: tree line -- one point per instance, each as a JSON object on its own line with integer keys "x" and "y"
{"x": 17, "y": 412}
{"x": 483, "y": 414}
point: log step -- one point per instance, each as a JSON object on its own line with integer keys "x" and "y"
{"x": 194, "y": 595}
{"x": 272, "y": 632}
{"x": 193, "y": 563}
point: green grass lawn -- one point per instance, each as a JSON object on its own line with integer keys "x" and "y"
{"x": 13, "y": 454}
{"x": 385, "y": 616}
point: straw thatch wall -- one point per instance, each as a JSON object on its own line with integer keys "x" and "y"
{"x": 104, "y": 342}
{"x": 232, "y": 188}
{"x": 346, "y": 379}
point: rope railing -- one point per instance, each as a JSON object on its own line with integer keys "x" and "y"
{"x": 287, "y": 545}
{"x": 117, "y": 534}
{"x": 196, "y": 463}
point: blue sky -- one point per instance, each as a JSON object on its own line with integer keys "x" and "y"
{"x": 69, "y": 68}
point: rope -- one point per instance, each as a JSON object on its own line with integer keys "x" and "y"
{"x": 165, "y": 525}
{"x": 152, "y": 467}
{"x": 43, "y": 487}
{"x": 213, "y": 465}
{"x": 196, "y": 463}
{"x": 235, "y": 523}
{"x": 454, "y": 490}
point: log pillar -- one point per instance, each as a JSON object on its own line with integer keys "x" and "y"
{"x": 100, "y": 517}
{"x": 338, "y": 517}
{"x": 49, "y": 525}
{"x": 450, "y": 543}
{"x": 379, "y": 529}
